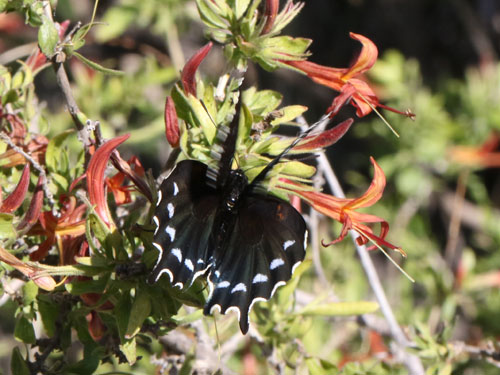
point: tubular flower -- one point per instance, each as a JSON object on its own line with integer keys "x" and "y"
{"x": 171, "y": 123}
{"x": 29, "y": 269}
{"x": 344, "y": 80}
{"x": 95, "y": 178}
{"x": 344, "y": 210}
{"x": 189, "y": 71}
{"x": 59, "y": 230}
{"x": 270, "y": 14}
{"x": 115, "y": 184}
{"x": 483, "y": 156}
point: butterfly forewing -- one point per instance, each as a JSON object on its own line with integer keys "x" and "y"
{"x": 265, "y": 246}
{"x": 184, "y": 215}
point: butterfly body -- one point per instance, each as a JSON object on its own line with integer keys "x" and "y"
{"x": 215, "y": 223}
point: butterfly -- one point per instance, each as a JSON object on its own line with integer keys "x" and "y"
{"x": 214, "y": 221}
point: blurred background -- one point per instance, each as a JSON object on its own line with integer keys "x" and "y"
{"x": 437, "y": 58}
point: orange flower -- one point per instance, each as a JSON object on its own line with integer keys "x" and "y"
{"x": 115, "y": 184}
{"x": 29, "y": 269}
{"x": 344, "y": 80}
{"x": 482, "y": 156}
{"x": 59, "y": 229}
{"x": 344, "y": 210}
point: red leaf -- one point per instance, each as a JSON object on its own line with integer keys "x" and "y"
{"x": 16, "y": 198}
{"x": 35, "y": 207}
{"x": 326, "y": 138}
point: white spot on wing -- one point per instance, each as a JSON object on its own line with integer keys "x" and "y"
{"x": 295, "y": 266}
{"x": 160, "y": 249}
{"x": 167, "y": 271}
{"x": 170, "y": 208}
{"x": 259, "y": 278}
{"x": 189, "y": 265}
{"x": 223, "y": 284}
{"x": 171, "y": 232}
{"x": 177, "y": 253}
{"x": 275, "y": 263}
{"x": 200, "y": 261}
{"x": 157, "y": 223}
{"x": 287, "y": 244}
{"x": 217, "y": 274}
{"x": 176, "y": 189}
{"x": 213, "y": 308}
{"x": 239, "y": 288}
{"x": 159, "y": 198}
{"x": 305, "y": 239}
{"x": 179, "y": 285}
{"x": 234, "y": 308}
{"x": 278, "y": 284}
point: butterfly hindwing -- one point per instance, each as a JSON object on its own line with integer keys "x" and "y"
{"x": 184, "y": 216}
{"x": 267, "y": 243}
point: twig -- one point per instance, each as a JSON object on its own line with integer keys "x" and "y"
{"x": 412, "y": 362}
{"x": 34, "y": 163}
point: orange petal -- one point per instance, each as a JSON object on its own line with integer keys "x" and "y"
{"x": 374, "y": 191}
{"x": 366, "y": 58}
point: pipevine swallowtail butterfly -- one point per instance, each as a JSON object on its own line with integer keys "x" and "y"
{"x": 216, "y": 222}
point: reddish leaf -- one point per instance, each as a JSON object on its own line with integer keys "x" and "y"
{"x": 326, "y": 138}
{"x": 16, "y": 198}
{"x": 35, "y": 207}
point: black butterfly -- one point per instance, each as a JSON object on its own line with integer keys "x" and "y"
{"x": 215, "y": 221}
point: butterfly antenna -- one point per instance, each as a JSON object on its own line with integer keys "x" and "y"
{"x": 208, "y": 113}
{"x": 325, "y": 119}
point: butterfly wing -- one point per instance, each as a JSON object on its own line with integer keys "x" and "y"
{"x": 184, "y": 218}
{"x": 267, "y": 243}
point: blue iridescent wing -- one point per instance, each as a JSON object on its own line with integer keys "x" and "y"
{"x": 267, "y": 243}
{"x": 184, "y": 218}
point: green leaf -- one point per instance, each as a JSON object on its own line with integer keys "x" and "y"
{"x": 122, "y": 314}
{"x": 53, "y": 154}
{"x": 289, "y": 113}
{"x": 117, "y": 19}
{"x": 6, "y": 228}
{"x": 88, "y": 286}
{"x": 24, "y": 331}
{"x": 261, "y": 102}
{"x": 49, "y": 312}
{"x": 129, "y": 350}
{"x": 47, "y": 36}
{"x": 3, "y": 5}
{"x": 340, "y": 308}
{"x": 18, "y": 365}
{"x": 30, "y": 291}
{"x": 141, "y": 308}
{"x": 96, "y": 66}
